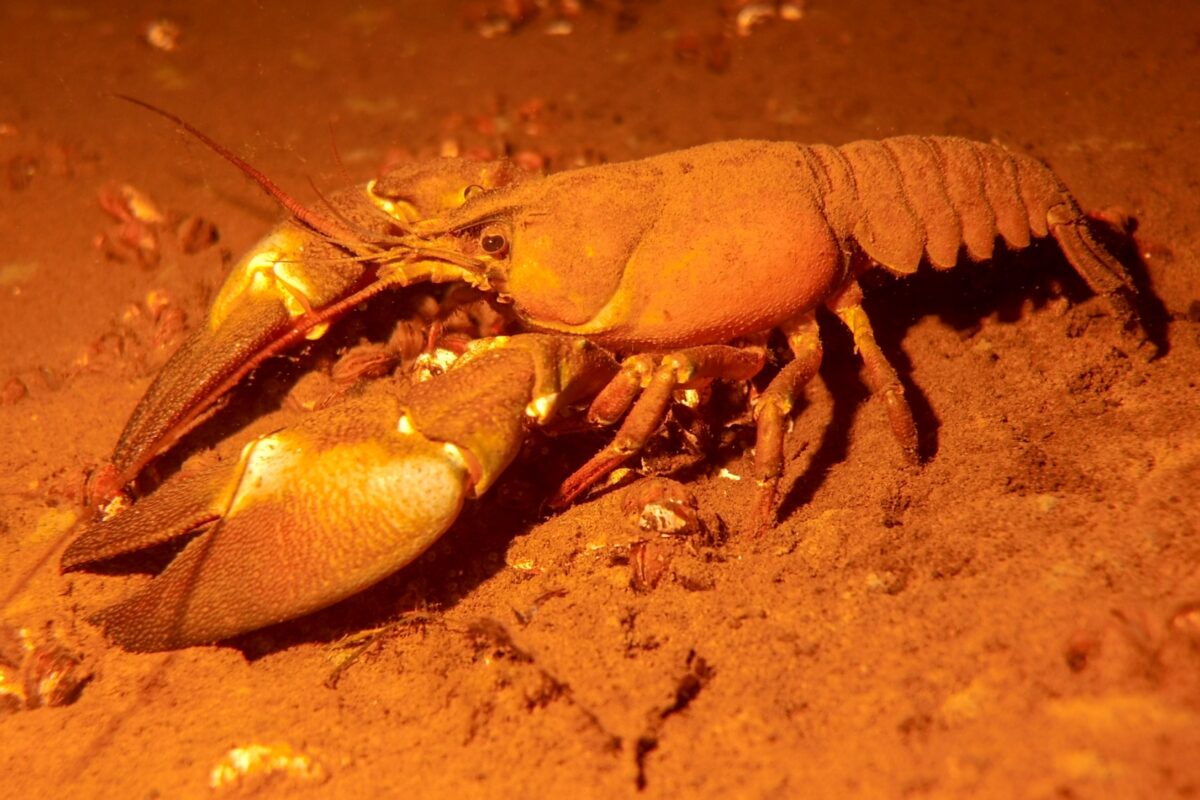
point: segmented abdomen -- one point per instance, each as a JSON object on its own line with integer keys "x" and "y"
{"x": 911, "y": 196}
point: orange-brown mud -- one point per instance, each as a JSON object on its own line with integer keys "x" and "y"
{"x": 1017, "y": 618}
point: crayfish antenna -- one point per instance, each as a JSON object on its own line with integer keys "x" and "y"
{"x": 321, "y": 224}
{"x": 364, "y": 234}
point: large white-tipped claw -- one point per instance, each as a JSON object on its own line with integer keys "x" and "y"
{"x": 315, "y": 513}
{"x": 307, "y": 517}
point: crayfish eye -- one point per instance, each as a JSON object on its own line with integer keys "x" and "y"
{"x": 493, "y": 241}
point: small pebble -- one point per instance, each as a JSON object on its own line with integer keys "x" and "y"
{"x": 13, "y": 392}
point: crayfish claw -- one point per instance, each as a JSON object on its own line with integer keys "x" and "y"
{"x": 182, "y": 505}
{"x": 308, "y": 516}
{"x": 312, "y": 514}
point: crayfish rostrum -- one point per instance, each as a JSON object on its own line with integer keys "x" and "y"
{"x": 678, "y": 264}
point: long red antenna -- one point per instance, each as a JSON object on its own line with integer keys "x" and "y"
{"x": 318, "y": 222}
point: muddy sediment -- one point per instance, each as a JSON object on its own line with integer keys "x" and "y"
{"x": 1016, "y": 617}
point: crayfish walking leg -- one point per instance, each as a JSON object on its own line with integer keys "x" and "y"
{"x": 880, "y": 374}
{"x": 656, "y": 378}
{"x": 774, "y": 409}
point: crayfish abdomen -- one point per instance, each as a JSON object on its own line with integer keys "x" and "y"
{"x": 914, "y": 198}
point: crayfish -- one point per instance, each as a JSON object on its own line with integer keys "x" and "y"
{"x": 676, "y": 263}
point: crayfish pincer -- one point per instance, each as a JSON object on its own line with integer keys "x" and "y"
{"x": 315, "y": 513}
{"x": 302, "y": 276}
{"x": 666, "y": 257}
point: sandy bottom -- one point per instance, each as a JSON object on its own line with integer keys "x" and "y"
{"x": 1020, "y": 617}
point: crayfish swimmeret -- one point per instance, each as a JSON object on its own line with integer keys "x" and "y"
{"x": 671, "y": 262}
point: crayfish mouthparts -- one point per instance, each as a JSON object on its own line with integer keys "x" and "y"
{"x": 418, "y": 249}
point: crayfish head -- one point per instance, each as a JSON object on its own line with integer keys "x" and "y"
{"x": 556, "y": 247}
